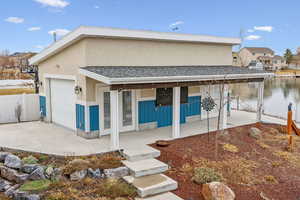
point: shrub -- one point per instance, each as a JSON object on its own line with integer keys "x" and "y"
{"x": 270, "y": 179}
{"x": 30, "y": 160}
{"x": 75, "y": 165}
{"x": 107, "y": 161}
{"x": 204, "y": 175}
{"x": 234, "y": 169}
{"x": 43, "y": 157}
{"x": 114, "y": 188}
{"x": 35, "y": 186}
{"x": 231, "y": 148}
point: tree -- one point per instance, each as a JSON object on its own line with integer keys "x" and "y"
{"x": 288, "y": 55}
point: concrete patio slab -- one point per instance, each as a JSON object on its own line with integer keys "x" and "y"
{"x": 51, "y": 139}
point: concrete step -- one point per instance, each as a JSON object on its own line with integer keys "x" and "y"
{"x": 152, "y": 185}
{"x": 140, "y": 153}
{"x": 163, "y": 196}
{"x": 145, "y": 167}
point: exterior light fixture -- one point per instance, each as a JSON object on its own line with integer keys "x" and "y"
{"x": 77, "y": 89}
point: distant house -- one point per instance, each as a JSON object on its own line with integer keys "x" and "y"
{"x": 261, "y": 55}
{"x": 295, "y": 62}
{"x": 278, "y": 62}
{"x": 255, "y": 54}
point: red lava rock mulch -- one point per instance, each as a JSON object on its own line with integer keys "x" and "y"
{"x": 183, "y": 154}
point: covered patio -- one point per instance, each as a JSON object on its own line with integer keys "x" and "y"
{"x": 136, "y": 78}
{"x": 51, "y": 139}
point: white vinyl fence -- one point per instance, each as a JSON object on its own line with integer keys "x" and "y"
{"x": 29, "y": 104}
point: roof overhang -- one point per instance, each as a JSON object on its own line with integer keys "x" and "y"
{"x": 169, "y": 79}
{"x": 85, "y": 31}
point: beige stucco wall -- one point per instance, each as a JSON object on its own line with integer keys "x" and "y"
{"x": 66, "y": 62}
{"x": 121, "y": 52}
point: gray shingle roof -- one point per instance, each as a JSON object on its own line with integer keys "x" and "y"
{"x": 164, "y": 71}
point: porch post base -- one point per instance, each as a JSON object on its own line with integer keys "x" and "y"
{"x": 88, "y": 135}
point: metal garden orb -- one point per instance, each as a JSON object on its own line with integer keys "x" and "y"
{"x": 208, "y": 103}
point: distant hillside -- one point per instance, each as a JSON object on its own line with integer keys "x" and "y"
{"x": 11, "y": 65}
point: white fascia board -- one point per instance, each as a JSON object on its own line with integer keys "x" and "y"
{"x": 85, "y": 31}
{"x": 95, "y": 76}
{"x": 137, "y": 80}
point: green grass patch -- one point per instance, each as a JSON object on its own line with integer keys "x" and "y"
{"x": 35, "y": 186}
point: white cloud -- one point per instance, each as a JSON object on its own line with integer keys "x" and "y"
{"x": 39, "y": 46}
{"x": 176, "y": 23}
{"x": 34, "y": 28}
{"x": 16, "y": 20}
{"x": 264, "y": 28}
{"x": 54, "y": 3}
{"x": 250, "y": 30}
{"x": 253, "y": 37}
{"x": 59, "y": 32}
{"x": 96, "y": 7}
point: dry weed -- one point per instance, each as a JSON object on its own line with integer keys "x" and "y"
{"x": 231, "y": 148}
{"x": 234, "y": 170}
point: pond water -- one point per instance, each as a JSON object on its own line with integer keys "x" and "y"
{"x": 278, "y": 93}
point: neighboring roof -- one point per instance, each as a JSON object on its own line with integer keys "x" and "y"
{"x": 259, "y": 50}
{"x": 151, "y": 74}
{"x": 85, "y": 31}
{"x": 276, "y": 57}
{"x": 265, "y": 57}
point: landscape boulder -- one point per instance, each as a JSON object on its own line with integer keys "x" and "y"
{"x": 255, "y": 133}
{"x": 13, "y": 175}
{"x": 95, "y": 173}
{"x": 29, "y": 168}
{"x": 3, "y": 156}
{"x": 11, "y": 191}
{"x": 217, "y": 191}
{"x": 78, "y": 175}
{"x": 20, "y": 195}
{"x": 4, "y": 185}
{"x": 49, "y": 171}
{"x": 37, "y": 174}
{"x": 117, "y": 172}
{"x": 13, "y": 161}
{"x": 57, "y": 174}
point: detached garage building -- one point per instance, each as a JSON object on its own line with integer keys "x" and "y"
{"x": 98, "y": 81}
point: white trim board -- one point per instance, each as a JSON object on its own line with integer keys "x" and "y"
{"x": 60, "y": 76}
{"x": 88, "y": 31}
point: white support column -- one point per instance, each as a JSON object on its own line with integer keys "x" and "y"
{"x": 176, "y": 113}
{"x": 260, "y": 100}
{"x": 223, "y": 106}
{"x": 114, "y": 120}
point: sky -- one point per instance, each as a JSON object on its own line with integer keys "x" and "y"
{"x": 27, "y": 25}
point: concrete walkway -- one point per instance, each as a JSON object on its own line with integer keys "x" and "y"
{"x": 51, "y": 139}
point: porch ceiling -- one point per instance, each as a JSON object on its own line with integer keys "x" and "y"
{"x": 156, "y": 76}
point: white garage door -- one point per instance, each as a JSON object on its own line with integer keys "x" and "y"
{"x": 63, "y": 102}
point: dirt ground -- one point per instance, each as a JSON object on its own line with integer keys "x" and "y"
{"x": 250, "y": 167}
